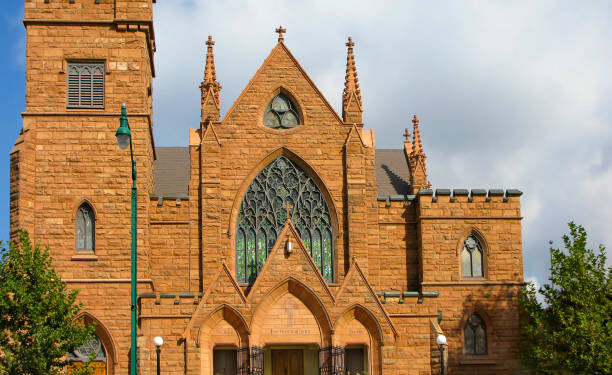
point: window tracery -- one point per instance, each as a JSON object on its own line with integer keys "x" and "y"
{"x": 281, "y": 113}
{"x": 281, "y": 187}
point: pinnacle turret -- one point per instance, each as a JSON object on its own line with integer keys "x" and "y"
{"x": 352, "y": 107}
{"x": 210, "y": 88}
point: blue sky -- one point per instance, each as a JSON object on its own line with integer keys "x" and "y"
{"x": 510, "y": 94}
{"x": 12, "y": 96}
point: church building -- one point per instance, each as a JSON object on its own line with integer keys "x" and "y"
{"x": 280, "y": 241}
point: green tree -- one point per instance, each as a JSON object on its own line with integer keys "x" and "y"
{"x": 572, "y": 334}
{"x": 37, "y": 312}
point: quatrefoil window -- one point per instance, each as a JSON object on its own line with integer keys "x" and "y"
{"x": 281, "y": 113}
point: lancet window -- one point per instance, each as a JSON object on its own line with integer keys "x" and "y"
{"x": 85, "y": 228}
{"x": 92, "y": 349}
{"x": 475, "y": 335}
{"x": 282, "y": 188}
{"x": 472, "y": 258}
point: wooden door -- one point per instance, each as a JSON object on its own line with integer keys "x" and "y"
{"x": 224, "y": 362}
{"x": 97, "y": 368}
{"x": 354, "y": 361}
{"x": 287, "y": 362}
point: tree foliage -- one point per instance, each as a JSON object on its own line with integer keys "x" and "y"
{"x": 37, "y": 312}
{"x": 573, "y": 332}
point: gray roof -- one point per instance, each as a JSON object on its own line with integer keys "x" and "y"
{"x": 172, "y": 172}
{"x": 392, "y": 173}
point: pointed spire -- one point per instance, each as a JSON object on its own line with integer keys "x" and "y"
{"x": 351, "y": 97}
{"x": 210, "y": 88}
{"x": 418, "y": 146}
{"x": 416, "y": 159}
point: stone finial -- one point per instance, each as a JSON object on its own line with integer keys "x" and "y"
{"x": 417, "y": 160}
{"x": 210, "y": 88}
{"x": 352, "y": 107}
{"x": 280, "y": 31}
{"x": 418, "y": 146}
{"x": 407, "y": 143}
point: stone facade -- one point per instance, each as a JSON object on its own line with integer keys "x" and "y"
{"x": 396, "y": 254}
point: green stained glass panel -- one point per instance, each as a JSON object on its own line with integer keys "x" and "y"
{"x": 316, "y": 247}
{"x": 240, "y": 254}
{"x": 251, "y": 260}
{"x": 327, "y": 256}
{"x": 306, "y": 240}
{"x": 261, "y": 249}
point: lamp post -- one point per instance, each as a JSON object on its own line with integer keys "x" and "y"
{"x": 158, "y": 341}
{"x": 124, "y": 137}
{"x": 441, "y": 341}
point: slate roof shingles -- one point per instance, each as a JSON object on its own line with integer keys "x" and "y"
{"x": 172, "y": 172}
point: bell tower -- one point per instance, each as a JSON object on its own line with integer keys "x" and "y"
{"x": 84, "y": 58}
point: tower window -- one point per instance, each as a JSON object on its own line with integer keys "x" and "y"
{"x": 281, "y": 187}
{"x": 281, "y": 113}
{"x": 472, "y": 257}
{"x": 475, "y": 335}
{"x": 85, "y": 85}
{"x": 85, "y": 228}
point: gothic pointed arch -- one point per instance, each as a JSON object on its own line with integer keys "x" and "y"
{"x": 305, "y": 295}
{"x": 104, "y": 337}
{"x": 230, "y": 315}
{"x": 282, "y": 183}
{"x": 282, "y": 110}
{"x": 347, "y": 325}
{"x": 473, "y": 250}
{"x": 85, "y": 226}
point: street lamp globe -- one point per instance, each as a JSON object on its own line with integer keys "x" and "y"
{"x": 123, "y": 134}
{"x": 158, "y": 341}
{"x": 441, "y": 340}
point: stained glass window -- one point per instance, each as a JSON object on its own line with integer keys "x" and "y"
{"x": 472, "y": 257}
{"x": 475, "y": 335}
{"x": 282, "y": 185}
{"x": 91, "y": 349}
{"x": 85, "y": 228}
{"x": 281, "y": 113}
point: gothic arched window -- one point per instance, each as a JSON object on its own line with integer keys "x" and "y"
{"x": 91, "y": 349}
{"x": 281, "y": 113}
{"x": 282, "y": 185}
{"x": 85, "y": 228}
{"x": 472, "y": 257}
{"x": 475, "y": 335}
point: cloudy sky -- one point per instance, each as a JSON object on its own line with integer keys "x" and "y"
{"x": 510, "y": 95}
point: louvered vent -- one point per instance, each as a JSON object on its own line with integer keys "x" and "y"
{"x": 85, "y": 85}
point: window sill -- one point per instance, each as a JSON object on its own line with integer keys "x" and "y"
{"x": 84, "y": 257}
{"x": 477, "y": 360}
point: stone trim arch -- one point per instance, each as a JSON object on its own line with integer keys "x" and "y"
{"x": 307, "y": 296}
{"x": 482, "y": 312}
{"x": 281, "y": 89}
{"x": 230, "y": 315}
{"x": 365, "y": 317}
{"x": 105, "y": 336}
{"x": 479, "y": 234}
